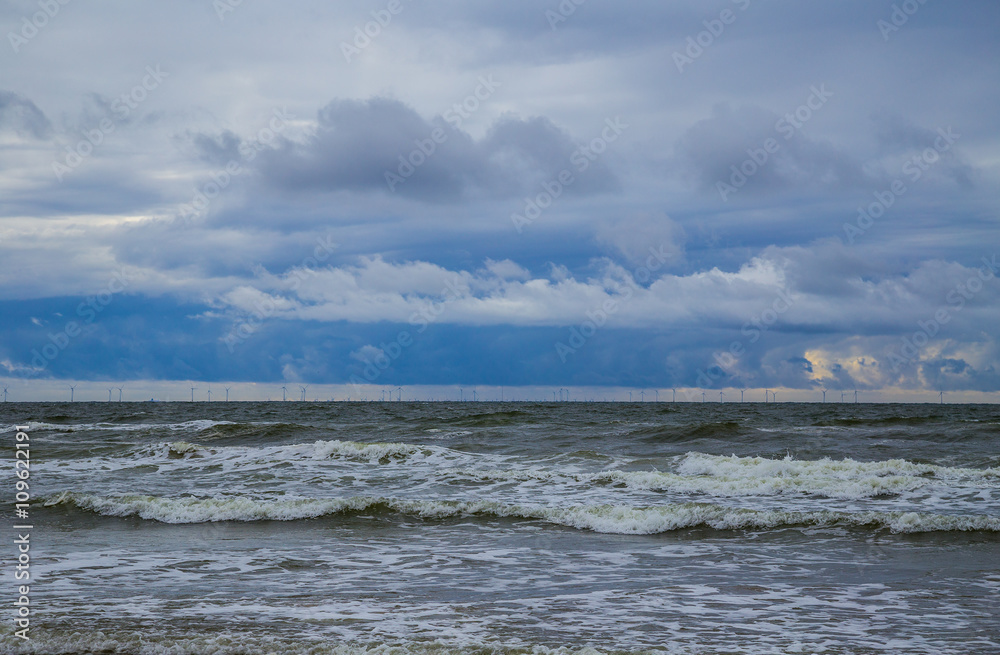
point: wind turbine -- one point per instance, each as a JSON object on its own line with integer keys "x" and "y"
{"x": 227, "y": 393}
{"x": 675, "y": 395}
{"x": 824, "y": 395}
{"x": 399, "y": 393}
{"x": 842, "y": 394}
{"x": 702, "y": 396}
{"x": 284, "y": 394}
{"x": 657, "y": 395}
{"x": 642, "y": 396}
{"x": 774, "y": 396}
{"x": 461, "y": 394}
{"x": 475, "y": 396}
{"x": 721, "y": 394}
{"x": 5, "y": 394}
{"x": 71, "y": 388}
{"x": 192, "y": 393}
{"x": 855, "y": 396}
{"x": 630, "y": 396}
{"x": 303, "y": 393}
{"x": 109, "y": 395}
{"x": 941, "y": 396}
{"x": 742, "y": 389}
{"x": 766, "y": 391}
{"x": 210, "y": 394}
{"x": 120, "y": 393}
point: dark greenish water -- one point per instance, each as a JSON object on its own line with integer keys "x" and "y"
{"x": 509, "y": 528}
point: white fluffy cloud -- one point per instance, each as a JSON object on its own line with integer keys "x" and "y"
{"x": 503, "y": 293}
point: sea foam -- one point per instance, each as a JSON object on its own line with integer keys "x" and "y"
{"x": 613, "y": 519}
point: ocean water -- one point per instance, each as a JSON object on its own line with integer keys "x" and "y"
{"x": 445, "y": 528}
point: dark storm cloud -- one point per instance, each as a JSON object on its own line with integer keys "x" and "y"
{"x": 218, "y": 149}
{"x": 383, "y": 145}
{"x": 895, "y": 135}
{"x": 751, "y": 150}
{"x": 22, "y": 116}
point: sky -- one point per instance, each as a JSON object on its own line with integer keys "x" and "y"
{"x": 605, "y": 196}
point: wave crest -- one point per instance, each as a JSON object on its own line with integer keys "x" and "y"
{"x": 613, "y": 519}
{"x": 845, "y": 469}
{"x": 370, "y": 452}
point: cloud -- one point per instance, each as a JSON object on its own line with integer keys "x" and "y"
{"x": 732, "y": 142}
{"x": 22, "y": 117}
{"x": 644, "y": 235}
{"x": 870, "y": 301}
{"x": 436, "y": 250}
{"x": 361, "y": 145}
{"x": 898, "y": 137}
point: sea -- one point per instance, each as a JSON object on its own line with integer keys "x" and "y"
{"x": 506, "y": 528}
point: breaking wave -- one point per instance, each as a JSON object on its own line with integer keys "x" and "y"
{"x": 612, "y": 519}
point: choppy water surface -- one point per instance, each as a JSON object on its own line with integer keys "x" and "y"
{"x": 515, "y": 527}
